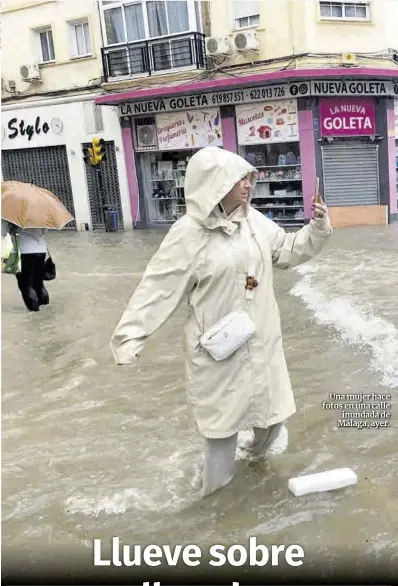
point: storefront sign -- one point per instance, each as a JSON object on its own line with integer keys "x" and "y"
{"x": 281, "y": 91}
{"x": 20, "y": 127}
{"x": 181, "y": 103}
{"x": 347, "y": 117}
{"x": 189, "y": 130}
{"x": 364, "y": 88}
{"x": 267, "y": 122}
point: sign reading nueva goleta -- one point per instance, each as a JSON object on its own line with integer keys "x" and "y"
{"x": 281, "y": 91}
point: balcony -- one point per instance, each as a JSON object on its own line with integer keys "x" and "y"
{"x": 163, "y": 55}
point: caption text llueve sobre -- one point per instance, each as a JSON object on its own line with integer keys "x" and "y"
{"x": 191, "y": 555}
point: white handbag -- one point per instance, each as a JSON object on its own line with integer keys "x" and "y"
{"x": 227, "y": 335}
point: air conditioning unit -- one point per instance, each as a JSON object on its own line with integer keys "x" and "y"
{"x": 349, "y": 59}
{"x": 246, "y": 41}
{"x": 30, "y": 72}
{"x": 218, "y": 46}
{"x": 146, "y": 136}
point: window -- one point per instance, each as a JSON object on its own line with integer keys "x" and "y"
{"x": 46, "y": 45}
{"x": 80, "y": 39}
{"x": 344, "y": 10}
{"x": 246, "y": 14}
{"x": 146, "y": 19}
{"x": 247, "y": 21}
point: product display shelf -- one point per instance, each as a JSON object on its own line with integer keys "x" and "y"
{"x": 285, "y": 204}
{"x": 168, "y": 196}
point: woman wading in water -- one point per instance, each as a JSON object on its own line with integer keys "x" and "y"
{"x": 220, "y": 255}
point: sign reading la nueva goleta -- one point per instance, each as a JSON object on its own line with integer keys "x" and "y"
{"x": 281, "y": 91}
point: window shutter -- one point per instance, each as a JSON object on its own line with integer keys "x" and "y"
{"x": 243, "y": 8}
{"x": 72, "y": 40}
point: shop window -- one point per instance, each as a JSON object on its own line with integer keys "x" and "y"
{"x": 278, "y": 193}
{"x": 164, "y": 177}
{"x": 246, "y": 14}
{"x": 45, "y": 38}
{"x": 344, "y": 10}
{"x": 79, "y": 37}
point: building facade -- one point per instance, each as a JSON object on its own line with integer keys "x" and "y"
{"x": 52, "y": 72}
{"x": 304, "y": 90}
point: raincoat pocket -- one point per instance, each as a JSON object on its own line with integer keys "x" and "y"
{"x": 10, "y": 255}
{"x": 228, "y": 335}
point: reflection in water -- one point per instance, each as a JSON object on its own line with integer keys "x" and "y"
{"x": 91, "y": 450}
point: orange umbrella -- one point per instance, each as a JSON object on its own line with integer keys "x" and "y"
{"x": 29, "y": 206}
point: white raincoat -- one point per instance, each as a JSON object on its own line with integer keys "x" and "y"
{"x": 207, "y": 257}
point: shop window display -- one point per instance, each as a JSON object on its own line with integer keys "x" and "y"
{"x": 278, "y": 193}
{"x": 164, "y": 176}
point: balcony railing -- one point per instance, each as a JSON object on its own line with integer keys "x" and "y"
{"x": 176, "y": 52}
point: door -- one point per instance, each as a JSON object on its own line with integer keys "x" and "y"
{"x": 351, "y": 173}
{"x": 110, "y": 195}
{"x": 45, "y": 167}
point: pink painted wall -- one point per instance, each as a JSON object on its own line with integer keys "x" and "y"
{"x": 307, "y": 154}
{"x": 391, "y": 161}
{"x": 131, "y": 173}
{"x": 228, "y": 130}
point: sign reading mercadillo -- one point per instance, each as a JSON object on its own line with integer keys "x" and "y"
{"x": 282, "y": 91}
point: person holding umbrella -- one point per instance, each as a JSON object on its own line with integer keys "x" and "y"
{"x": 29, "y": 211}
{"x": 33, "y": 249}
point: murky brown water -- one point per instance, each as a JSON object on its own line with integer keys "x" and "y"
{"x": 95, "y": 451}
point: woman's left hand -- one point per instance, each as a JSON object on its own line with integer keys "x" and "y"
{"x": 319, "y": 210}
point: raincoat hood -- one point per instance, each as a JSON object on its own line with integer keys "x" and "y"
{"x": 211, "y": 173}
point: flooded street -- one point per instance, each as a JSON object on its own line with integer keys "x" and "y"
{"x": 91, "y": 450}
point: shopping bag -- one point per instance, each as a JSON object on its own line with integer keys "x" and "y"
{"x": 10, "y": 255}
{"x": 49, "y": 271}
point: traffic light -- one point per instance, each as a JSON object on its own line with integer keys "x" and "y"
{"x": 98, "y": 150}
{"x": 88, "y": 156}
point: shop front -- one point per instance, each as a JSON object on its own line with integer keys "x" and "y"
{"x": 350, "y": 159}
{"x": 268, "y": 138}
{"x": 42, "y": 143}
{"x": 292, "y": 131}
{"x": 164, "y": 143}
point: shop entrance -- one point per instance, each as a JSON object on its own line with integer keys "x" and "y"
{"x": 45, "y": 167}
{"x": 163, "y": 178}
{"x": 111, "y": 191}
{"x": 351, "y": 173}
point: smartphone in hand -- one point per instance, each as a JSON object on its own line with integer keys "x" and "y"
{"x": 317, "y": 187}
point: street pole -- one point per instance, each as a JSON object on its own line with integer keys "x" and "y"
{"x": 102, "y": 194}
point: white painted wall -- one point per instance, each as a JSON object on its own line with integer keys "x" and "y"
{"x": 73, "y": 134}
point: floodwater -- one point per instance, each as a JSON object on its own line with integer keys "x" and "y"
{"x": 91, "y": 450}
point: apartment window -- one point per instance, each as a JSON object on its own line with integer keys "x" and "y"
{"x": 344, "y": 10}
{"x": 80, "y": 39}
{"x": 146, "y": 19}
{"x": 246, "y": 14}
{"x": 46, "y": 45}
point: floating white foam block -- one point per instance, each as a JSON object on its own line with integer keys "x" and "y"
{"x": 323, "y": 481}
